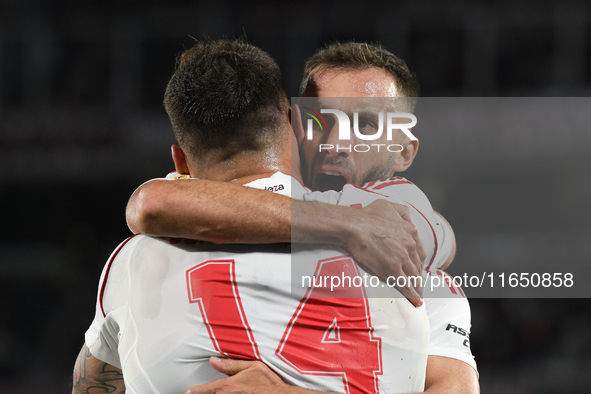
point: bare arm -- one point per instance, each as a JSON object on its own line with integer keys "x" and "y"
{"x": 444, "y": 376}
{"x": 379, "y": 236}
{"x": 247, "y": 377}
{"x": 450, "y": 376}
{"x": 94, "y": 376}
{"x": 223, "y": 212}
{"x": 218, "y": 212}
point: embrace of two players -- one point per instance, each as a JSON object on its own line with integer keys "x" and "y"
{"x": 202, "y": 300}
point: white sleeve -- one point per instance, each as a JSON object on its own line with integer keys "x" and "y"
{"x": 449, "y": 318}
{"x": 102, "y": 337}
{"x": 431, "y": 227}
{"x": 444, "y": 240}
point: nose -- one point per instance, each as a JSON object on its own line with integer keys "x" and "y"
{"x": 332, "y": 138}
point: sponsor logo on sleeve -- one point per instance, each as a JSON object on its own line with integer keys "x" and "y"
{"x": 460, "y": 331}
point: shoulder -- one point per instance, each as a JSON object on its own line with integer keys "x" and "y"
{"x": 132, "y": 252}
{"x": 403, "y": 189}
{"x": 384, "y": 183}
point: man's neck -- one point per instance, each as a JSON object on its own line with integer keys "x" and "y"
{"x": 249, "y": 165}
{"x": 244, "y": 169}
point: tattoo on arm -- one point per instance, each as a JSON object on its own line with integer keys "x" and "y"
{"x": 92, "y": 376}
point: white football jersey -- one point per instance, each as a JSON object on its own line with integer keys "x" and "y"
{"x": 166, "y": 305}
{"x": 448, "y": 308}
{"x": 434, "y": 233}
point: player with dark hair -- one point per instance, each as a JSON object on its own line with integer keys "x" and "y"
{"x": 181, "y": 209}
{"x": 166, "y": 305}
{"x": 241, "y": 87}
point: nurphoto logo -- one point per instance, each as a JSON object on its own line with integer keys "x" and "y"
{"x": 344, "y": 124}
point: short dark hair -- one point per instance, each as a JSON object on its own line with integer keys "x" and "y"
{"x": 225, "y": 95}
{"x": 360, "y": 56}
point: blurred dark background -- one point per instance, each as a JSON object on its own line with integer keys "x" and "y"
{"x": 82, "y": 125}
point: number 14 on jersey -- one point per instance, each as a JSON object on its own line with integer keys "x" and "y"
{"x": 328, "y": 334}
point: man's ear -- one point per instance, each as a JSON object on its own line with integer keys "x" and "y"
{"x": 405, "y": 158}
{"x": 297, "y": 126}
{"x": 180, "y": 160}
